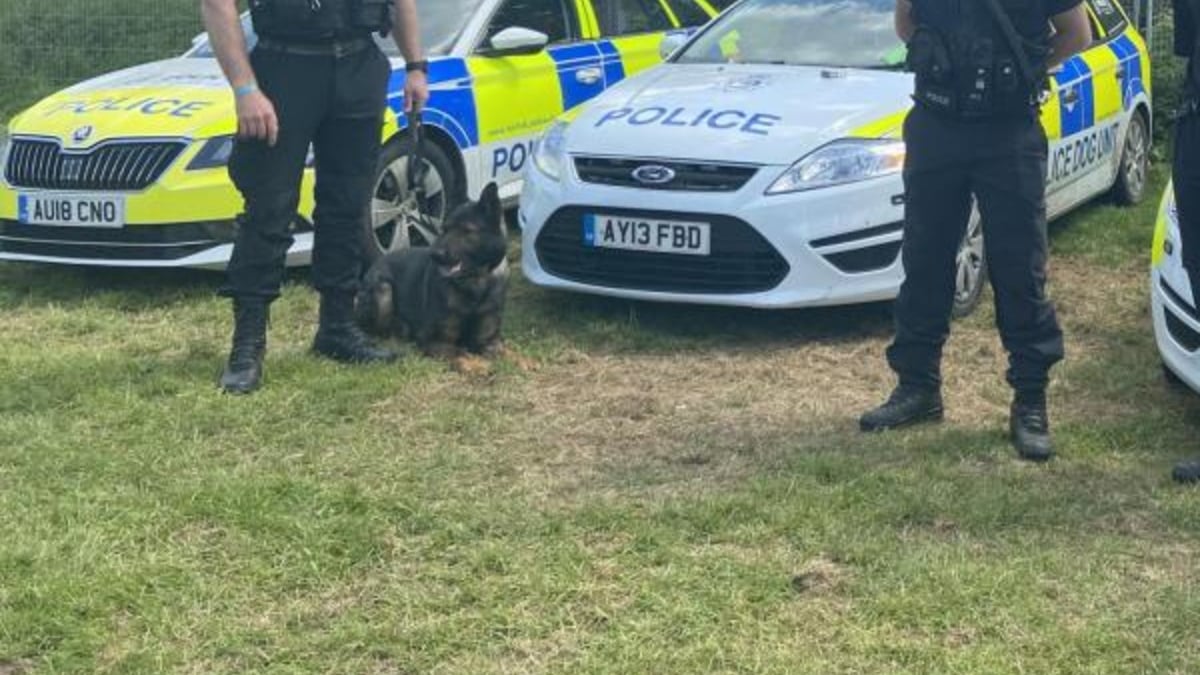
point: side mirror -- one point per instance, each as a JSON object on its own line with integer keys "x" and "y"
{"x": 517, "y": 40}
{"x": 670, "y": 44}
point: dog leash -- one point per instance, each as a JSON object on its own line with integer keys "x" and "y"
{"x": 417, "y": 168}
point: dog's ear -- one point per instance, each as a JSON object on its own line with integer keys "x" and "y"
{"x": 489, "y": 203}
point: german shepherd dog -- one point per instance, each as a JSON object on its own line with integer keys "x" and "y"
{"x": 448, "y": 297}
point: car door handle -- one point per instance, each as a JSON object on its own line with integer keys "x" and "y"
{"x": 1121, "y": 73}
{"x": 588, "y": 75}
{"x": 1071, "y": 95}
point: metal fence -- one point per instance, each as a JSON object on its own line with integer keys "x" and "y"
{"x": 1156, "y": 21}
{"x": 48, "y": 44}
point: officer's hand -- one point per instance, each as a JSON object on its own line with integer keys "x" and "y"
{"x": 416, "y": 91}
{"x": 257, "y": 119}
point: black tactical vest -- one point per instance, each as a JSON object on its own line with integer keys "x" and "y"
{"x": 321, "y": 20}
{"x": 965, "y": 65}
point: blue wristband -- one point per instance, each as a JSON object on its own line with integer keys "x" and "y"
{"x": 245, "y": 89}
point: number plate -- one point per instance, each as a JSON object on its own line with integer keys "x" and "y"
{"x": 640, "y": 234}
{"x": 71, "y": 210}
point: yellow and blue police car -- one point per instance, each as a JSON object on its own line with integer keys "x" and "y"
{"x": 129, "y": 169}
{"x": 1173, "y": 305}
{"x": 760, "y": 166}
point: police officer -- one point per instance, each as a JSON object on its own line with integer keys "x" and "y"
{"x": 316, "y": 78}
{"x": 981, "y": 69}
{"x": 1187, "y": 166}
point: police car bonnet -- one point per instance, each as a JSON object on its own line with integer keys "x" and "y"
{"x": 177, "y": 97}
{"x": 743, "y": 113}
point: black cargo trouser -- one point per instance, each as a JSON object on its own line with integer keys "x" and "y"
{"x": 1187, "y": 195}
{"x": 1002, "y": 163}
{"x": 335, "y": 104}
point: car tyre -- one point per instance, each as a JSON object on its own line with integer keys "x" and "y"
{"x": 970, "y": 273}
{"x": 1134, "y": 169}
{"x": 396, "y": 220}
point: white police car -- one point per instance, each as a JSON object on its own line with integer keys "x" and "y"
{"x": 761, "y": 165}
{"x": 1176, "y": 319}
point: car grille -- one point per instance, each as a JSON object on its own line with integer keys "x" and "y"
{"x": 1183, "y": 335}
{"x": 1179, "y": 301}
{"x": 43, "y": 165}
{"x": 866, "y": 259}
{"x": 858, "y": 235}
{"x": 740, "y": 259}
{"x": 869, "y": 259}
{"x": 688, "y": 176}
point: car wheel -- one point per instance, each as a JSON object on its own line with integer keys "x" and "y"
{"x": 401, "y": 219}
{"x": 970, "y": 274}
{"x": 1134, "y": 169}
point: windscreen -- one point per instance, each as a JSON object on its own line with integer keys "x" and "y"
{"x": 834, "y": 33}
{"x": 441, "y": 23}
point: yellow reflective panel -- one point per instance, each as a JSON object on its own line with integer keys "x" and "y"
{"x": 1102, "y": 62}
{"x": 1157, "y": 253}
{"x": 670, "y": 13}
{"x": 1140, "y": 43}
{"x": 891, "y": 126}
{"x": 639, "y": 52}
{"x": 532, "y": 80}
{"x": 587, "y": 19}
{"x": 1052, "y": 113}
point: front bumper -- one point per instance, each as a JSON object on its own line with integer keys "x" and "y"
{"x": 823, "y": 247}
{"x": 183, "y": 220}
{"x": 1176, "y": 330}
{"x": 187, "y": 245}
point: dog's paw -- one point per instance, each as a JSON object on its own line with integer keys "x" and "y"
{"x": 472, "y": 366}
{"x": 502, "y": 351}
{"x": 522, "y": 362}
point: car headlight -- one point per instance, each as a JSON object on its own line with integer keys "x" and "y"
{"x": 840, "y": 162}
{"x": 550, "y": 155}
{"x": 214, "y": 154}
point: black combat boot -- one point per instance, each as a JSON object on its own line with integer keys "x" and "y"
{"x": 339, "y": 337}
{"x": 906, "y": 406}
{"x": 1029, "y": 428}
{"x": 1187, "y": 472}
{"x": 243, "y": 374}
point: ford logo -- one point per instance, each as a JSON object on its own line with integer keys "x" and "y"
{"x": 82, "y": 134}
{"x": 653, "y": 174}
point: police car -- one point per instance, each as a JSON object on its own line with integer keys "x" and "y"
{"x": 129, "y": 169}
{"x": 1176, "y": 319}
{"x": 760, "y": 166}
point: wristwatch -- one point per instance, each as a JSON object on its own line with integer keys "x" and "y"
{"x": 413, "y": 66}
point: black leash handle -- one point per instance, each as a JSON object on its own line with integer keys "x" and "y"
{"x": 416, "y": 156}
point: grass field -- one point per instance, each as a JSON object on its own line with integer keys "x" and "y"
{"x": 671, "y": 490}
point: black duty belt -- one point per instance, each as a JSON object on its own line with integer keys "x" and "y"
{"x": 334, "y": 48}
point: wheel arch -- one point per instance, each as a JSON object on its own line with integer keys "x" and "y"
{"x": 439, "y": 136}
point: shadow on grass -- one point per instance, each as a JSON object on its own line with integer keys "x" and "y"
{"x": 612, "y": 324}
{"x": 122, "y": 288}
